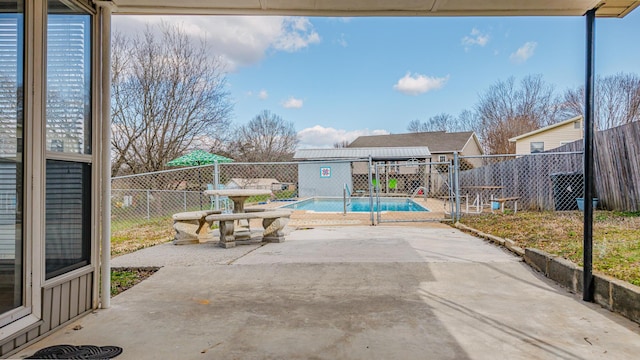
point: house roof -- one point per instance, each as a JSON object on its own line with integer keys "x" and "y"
{"x": 546, "y": 128}
{"x": 437, "y": 141}
{"x": 376, "y": 153}
{"x": 615, "y": 8}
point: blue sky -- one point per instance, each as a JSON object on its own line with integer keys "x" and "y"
{"x": 338, "y": 78}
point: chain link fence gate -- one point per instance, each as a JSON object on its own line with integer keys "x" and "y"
{"x": 413, "y": 191}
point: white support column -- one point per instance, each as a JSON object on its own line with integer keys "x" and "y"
{"x": 105, "y": 8}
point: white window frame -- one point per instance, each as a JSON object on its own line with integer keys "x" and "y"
{"x": 80, "y": 158}
{"x": 442, "y": 158}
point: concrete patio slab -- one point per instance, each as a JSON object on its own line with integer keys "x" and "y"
{"x": 359, "y": 292}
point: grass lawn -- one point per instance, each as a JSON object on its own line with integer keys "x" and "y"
{"x": 616, "y": 237}
{"x": 124, "y": 279}
{"x": 129, "y": 236}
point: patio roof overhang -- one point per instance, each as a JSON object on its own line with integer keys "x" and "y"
{"x": 610, "y": 8}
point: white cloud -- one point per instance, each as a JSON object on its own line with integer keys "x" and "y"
{"x": 239, "y": 40}
{"x": 324, "y": 137}
{"x": 342, "y": 41}
{"x": 524, "y": 52}
{"x": 475, "y": 38}
{"x": 292, "y": 103}
{"x": 263, "y": 95}
{"x": 297, "y": 34}
{"x": 414, "y": 84}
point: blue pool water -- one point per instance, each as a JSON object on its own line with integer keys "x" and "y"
{"x": 357, "y": 205}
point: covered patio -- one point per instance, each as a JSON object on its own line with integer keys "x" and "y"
{"x": 58, "y": 266}
{"x": 358, "y": 292}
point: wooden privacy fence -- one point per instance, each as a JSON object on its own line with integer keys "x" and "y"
{"x": 531, "y": 177}
{"x": 617, "y": 167}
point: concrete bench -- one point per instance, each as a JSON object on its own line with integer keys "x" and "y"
{"x": 192, "y": 227}
{"x": 273, "y": 222}
{"x": 501, "y": 201}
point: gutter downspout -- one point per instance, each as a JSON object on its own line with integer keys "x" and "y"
{"x": 105, "y": 8}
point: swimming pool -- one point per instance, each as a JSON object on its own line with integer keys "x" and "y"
{"x": 357, "y": 205}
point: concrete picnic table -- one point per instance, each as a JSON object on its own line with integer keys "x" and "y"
{"x": 239, "y": 196}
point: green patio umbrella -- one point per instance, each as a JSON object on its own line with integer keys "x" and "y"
{"x": 197, "y": 158}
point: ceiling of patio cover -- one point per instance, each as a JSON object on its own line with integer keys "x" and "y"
{"x": 609, "y": 8}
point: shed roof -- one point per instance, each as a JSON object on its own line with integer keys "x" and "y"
{"x": 376, "y": 153}
{"x": 609, "y": 8}
{"x": 437, "y": 141}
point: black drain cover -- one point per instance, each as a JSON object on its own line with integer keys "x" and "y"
{"x": 77, "y": 352}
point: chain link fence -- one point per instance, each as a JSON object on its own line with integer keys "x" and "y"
{"x": 535, "y": 182}
{"x": 338, "y": 192}
{"x": 357, "y": 191}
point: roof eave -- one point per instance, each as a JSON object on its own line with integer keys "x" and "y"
{"x": 546, "y": 128}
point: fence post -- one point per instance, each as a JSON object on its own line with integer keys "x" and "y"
{"x": 148, "y": 205}
{"x": 456, "y": 184}
{"x": 377, "y": 191}
{"x": 184, "y": 200}
{"x": 371, "y": 191}
{"x": 344, "y": 200}
{"x": 216, "y": 183}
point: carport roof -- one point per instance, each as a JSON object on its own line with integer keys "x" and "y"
{"x": 395, "y": 153}
{"x": 610, "y": 8}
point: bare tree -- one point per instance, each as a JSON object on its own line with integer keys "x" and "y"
{"x": 617, "y": 101}
{"x": 416, "y": 126}
{"x": 267, "y": 137}
{"x": 506, "y": 110}
{"x": 166, "y": 92}
{"x": 445, "y": 122}
{"x": 341, "y": 144}
{"x": 440, "y": 122}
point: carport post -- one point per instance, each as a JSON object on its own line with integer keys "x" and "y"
{"x": 587, "y": 287}
{"x": 105, "y": 73}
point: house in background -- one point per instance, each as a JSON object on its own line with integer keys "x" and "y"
{"x": 549, "y": 137}
{"x": 257, "y": 183}
{"x": 441, "y": 144}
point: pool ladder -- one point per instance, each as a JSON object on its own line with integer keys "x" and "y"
{"x": 346, "y": 198}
